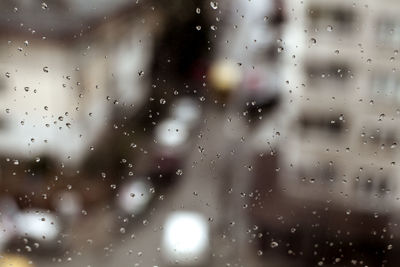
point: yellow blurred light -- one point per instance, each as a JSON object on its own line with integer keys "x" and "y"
{"x": 14, "y": 261}
{"x": 225, "y": 76}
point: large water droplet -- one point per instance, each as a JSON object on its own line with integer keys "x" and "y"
{"x": 214, "y": 5}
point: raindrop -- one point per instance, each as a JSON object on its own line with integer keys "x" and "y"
{"x": 274, "y": 244}
{"x": 214, "y": 5}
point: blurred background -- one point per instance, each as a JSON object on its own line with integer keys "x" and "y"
{"x": 199, "y": 133}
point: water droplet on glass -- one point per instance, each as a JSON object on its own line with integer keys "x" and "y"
{"x": 214, "y": 5}
{"x": 274, "y": 244}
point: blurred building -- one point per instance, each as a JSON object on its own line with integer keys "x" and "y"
{"x": 343, "y": 88}
{"x": 66, "y": 68}
{"x": 338, "y": 169}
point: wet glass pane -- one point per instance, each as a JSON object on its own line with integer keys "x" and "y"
{"x": 199, "y": 133}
